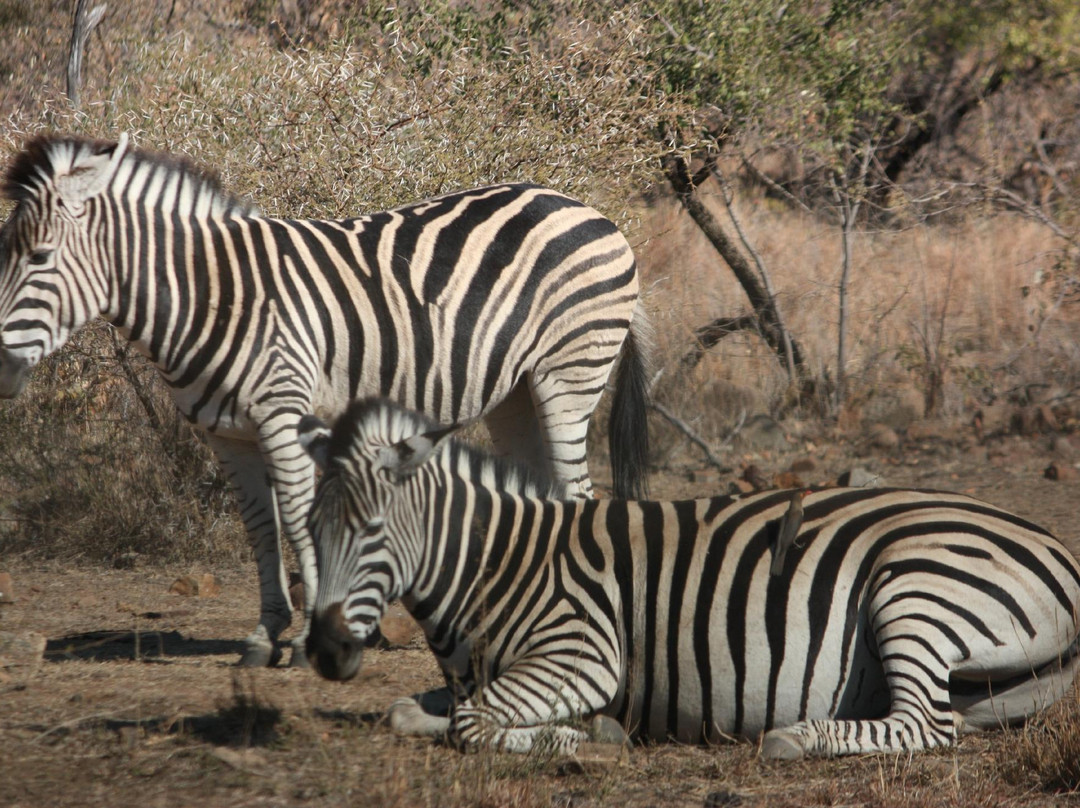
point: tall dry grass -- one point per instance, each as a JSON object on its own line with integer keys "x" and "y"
{"x": 983, "y": 298}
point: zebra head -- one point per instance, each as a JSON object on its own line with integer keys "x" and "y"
{"x": 368, "y": 537}
{"x": 51, "y": 277}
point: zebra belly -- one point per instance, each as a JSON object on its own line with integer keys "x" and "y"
{"x": 759, "y": 694}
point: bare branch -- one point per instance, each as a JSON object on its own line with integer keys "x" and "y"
{"x": 692, "y": 436}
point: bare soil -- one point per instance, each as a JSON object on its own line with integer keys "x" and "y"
{"x": 138, "y": 701}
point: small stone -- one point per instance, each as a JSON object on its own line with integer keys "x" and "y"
{"x": 398, "y": 627}
{"x": 801, "y": 465}
{"x": 7, "y": 588}
{"x": 859, "y": 477}
{"x": 19, "y": 648}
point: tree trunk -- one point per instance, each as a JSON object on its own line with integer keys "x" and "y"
{"x": 81, "y": 28}
{"x": 766, "y": 315}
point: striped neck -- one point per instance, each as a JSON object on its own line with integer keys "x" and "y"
{"x": 163, "y": 222}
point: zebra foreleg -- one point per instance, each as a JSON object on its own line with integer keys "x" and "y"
{"x": 243, "y": 464}
{"x": 291, "y": 473}
{"x": 895, "y": 733}
{"x": 540, "y": 702}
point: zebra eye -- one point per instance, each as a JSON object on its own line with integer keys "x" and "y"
{"x": 373, "y": 527}
{"x": 39, "y": 257}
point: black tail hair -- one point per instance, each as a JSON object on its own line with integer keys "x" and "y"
{"x": 628, "y": 427}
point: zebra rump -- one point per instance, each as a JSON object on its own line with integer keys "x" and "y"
{"x": 511, "y": 303}
{"x": 895, "y": 620}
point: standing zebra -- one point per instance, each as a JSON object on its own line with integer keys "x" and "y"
{"x": 510, "y": 302}
{"x": 898, "y": 617}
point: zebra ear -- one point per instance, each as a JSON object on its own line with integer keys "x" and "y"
{"x": 90, "y": 174}
{"x": 314, "y": 437}
{"x": 405, "y": 457}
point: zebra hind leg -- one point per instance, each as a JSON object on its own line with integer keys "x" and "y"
{"x": 515, "y": 432}
{"x": 917, "y": 656}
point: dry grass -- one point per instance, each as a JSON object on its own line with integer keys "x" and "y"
{"x": 98, "y": 465}
{"x": 986, "y": 298}
{"x": 1045, "y": 754}
{"x": 92, "y": 471}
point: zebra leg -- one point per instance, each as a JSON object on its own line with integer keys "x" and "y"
{"x": 419, "y": 716}
{"x": 244, "y": 465}
{"x": 291, "y": 473}
{"x": 537, "y": 703}
{"x": 917, "y": 656}
{"x": 564, "y": 398}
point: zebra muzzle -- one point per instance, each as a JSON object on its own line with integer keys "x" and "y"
{"x": 14, "y": 373}
{"x": 331, "y": 648}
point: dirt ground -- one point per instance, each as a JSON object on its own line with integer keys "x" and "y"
{"x": 138, "y": 701}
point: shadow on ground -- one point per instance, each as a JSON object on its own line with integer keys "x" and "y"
{"x": 150, "y": 646}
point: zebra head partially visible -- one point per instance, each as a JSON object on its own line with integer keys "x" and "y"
{"x": 85, "y": 212}
{"x": 365, "y": 538}
{"x": 50, "y": 282}
{"x": 369, "y": 531}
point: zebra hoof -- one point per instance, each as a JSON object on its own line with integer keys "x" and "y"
{"x": 781, "y": 745}
{"x": 606, "y": 729}
{"x": 407, "y": 717}
{"x": 299, "y": 658}
{"x": 260, "y": 656}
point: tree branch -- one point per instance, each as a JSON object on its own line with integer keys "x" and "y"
{"x": 766, "y": 313}
{"x": 81, "y": 28}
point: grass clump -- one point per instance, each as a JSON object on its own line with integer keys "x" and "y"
{"x": 1046, "y": 752}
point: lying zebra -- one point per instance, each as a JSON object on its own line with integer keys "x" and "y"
{"x": 899, "y": 617}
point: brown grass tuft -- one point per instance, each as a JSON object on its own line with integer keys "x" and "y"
{"x": 1046, "y": 752}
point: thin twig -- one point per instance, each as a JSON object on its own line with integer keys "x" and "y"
{"x": 74, "y": 722}
{"x": 690, "y": 435}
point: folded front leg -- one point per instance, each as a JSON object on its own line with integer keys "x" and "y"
{"x": 536, "y": 702}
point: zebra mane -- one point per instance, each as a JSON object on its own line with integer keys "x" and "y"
{"x": 48, "y": 156}
{"x": 373, "y": 423}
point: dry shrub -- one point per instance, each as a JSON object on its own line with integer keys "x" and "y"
{"x": 94, "y": 467}
{"x": 97, "y": 467}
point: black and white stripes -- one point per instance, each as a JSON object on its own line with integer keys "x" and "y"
{"x": 895, "y": 613}
{"x": 510, "y": 303}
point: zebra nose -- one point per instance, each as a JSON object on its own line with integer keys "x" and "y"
{"x": 331, "y": 648}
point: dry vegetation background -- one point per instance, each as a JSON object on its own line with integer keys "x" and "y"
{"x": 963, "y": 310}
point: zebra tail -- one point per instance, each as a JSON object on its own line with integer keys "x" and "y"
{"x": 628, "y": 427}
